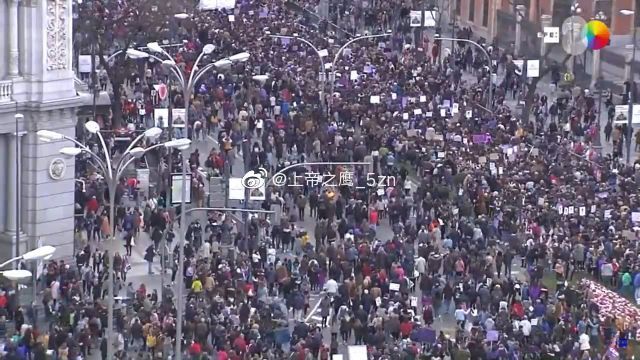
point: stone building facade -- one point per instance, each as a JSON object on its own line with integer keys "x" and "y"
{"x": 37, "y": 81}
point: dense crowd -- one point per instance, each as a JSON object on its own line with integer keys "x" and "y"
{"x": 494, "y": 218}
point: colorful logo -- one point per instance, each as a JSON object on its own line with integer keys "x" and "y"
{"x": 596, "y": 35}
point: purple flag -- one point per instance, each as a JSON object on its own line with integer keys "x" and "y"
{"x": 481, "y": 138}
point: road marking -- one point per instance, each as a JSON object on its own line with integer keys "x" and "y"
{"x": 214, "y": 140}
{"x": 312, "y": 312}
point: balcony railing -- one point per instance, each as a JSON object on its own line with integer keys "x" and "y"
{"x": 6, "y": 90}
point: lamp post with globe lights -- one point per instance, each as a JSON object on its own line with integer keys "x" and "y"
{"x": 322, "y": 74}
{"x": 112, "y": 173}
{"x": 575, "y": 11}
{"x": 632, "y": 82}
{"x": 187, "y": 82}
{"x": 44, "y": 252}
{"x": 339, "y": 52}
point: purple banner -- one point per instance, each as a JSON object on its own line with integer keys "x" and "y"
{"x": 424, "y": 335}
{"x": 493, "y": 335}
{"x": 481, "y": 138}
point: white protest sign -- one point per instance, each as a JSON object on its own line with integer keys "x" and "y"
{"x": 216, "y": 4}
{"x": 357, "y": 352}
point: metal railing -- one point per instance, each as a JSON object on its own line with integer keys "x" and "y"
{"x": 6, "y": 90}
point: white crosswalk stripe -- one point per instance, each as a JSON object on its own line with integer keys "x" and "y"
{"x": 314, "y": 315}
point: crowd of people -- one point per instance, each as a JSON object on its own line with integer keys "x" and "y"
{"x": 494, "y": 218}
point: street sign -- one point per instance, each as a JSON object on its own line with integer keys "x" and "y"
{"x": 162, "y": 91}
{"x": 551, "y": 35}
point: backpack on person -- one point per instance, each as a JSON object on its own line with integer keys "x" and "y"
{"x": 151, "y": 341}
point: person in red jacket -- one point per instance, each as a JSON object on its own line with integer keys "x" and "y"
{"x": 239, "y": 344}
{"x": 222, "y": 355}
{"x": 195, "y": 349}
{"x": 406, "y": 327}
{"x": 92, "y": 205}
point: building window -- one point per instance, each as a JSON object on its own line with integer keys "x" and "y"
{"x": 458, "y": 7}
{"x": 485, "y": 13}
{"x": 472, "y": 11}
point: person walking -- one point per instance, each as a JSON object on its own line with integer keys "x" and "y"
{"x": 301, "y": 202}
{"x": 148, "y": 257}
{"x": 128, "y": 242}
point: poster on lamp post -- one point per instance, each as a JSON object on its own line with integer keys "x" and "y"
{"x": 84, "y": 64}
{"x": 533, "y": 68}
{"x": 176, "y": 188}
{"x": 415, "y": 18}
{"x": 519, "y": 66}
{"x": 430, "y": 18}
{"x": 161, "y": 117}
{"x": 178, "y": 118}
{"x": 621, "y": 115}
{"x": 236, "y": 189}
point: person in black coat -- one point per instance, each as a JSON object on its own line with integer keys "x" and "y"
{"x": 18, "y": 319}
{"x": 148, "y": 257}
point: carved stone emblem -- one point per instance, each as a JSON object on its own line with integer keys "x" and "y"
{"x": 57, "y": 168}
{"x": 57, "y": 35}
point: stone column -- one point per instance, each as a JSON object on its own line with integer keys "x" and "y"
{"x": 627, "y": 62}
{"x": 12, "y": 190}
{"x": 545, "y": 21}
{"x": 595, "y": 68}
{"x": 3, "y": 181}
{"x": 14, "y": 52}
{"x": 520, "y": 11}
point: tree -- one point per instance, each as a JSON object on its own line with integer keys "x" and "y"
{"x": 109, "y": 26}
